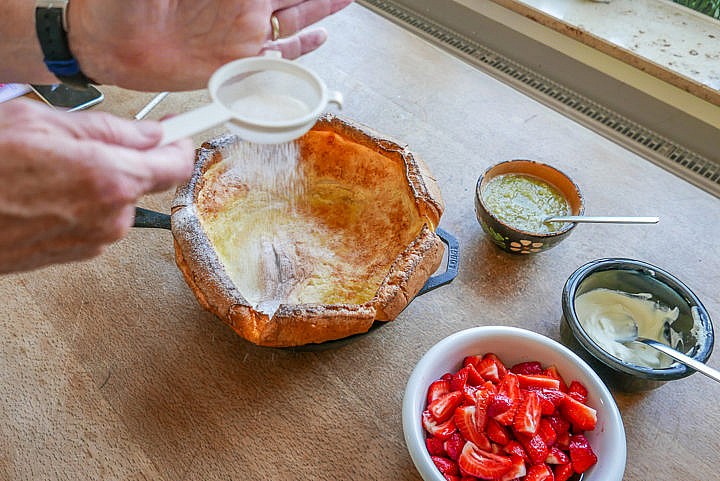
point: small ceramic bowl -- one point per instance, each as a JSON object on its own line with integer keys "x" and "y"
{"x": 518, "y": 241}
{"x": 633, "y": 276}
{"x": 513, "y": 345}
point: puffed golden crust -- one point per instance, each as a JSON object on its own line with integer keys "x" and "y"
{"x": 383, "y": 237}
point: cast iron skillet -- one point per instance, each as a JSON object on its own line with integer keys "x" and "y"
{"x": 145, "y": 218}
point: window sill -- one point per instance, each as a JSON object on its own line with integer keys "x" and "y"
{"x": 663, "y": 39}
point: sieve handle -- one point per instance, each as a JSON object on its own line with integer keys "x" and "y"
{"x": 193, "y": 122}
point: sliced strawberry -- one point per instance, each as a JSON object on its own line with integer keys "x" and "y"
{"x": 563, "y": 472}
{"x": 444, "y": 406}
{"x": 497, "y": 432}
{"x": 483, "y": 464}
{"x": 547, "y": 432}
{"x": 437, "y": 389}
{"x": 459, "y": 379}
{"x": 438, "y": 430}
{"x": 446, "y": 377}
{"x": 498, "y": 404}
{"x": 491, "y": 368}
{"x": 445, "y": 465}
{"x": 538, "y": 382}
{"x": 559, "y": 424}
{"x": 582, "y": 417}
{"x": 563, "y": 440}
{"x": 527, "y": 416}
{"x": 539, "y": 472}
{"x": 435, "y": 446}
{"x": 535, "y": 447}
{"x": 517, "y": 470}
{"x": 474, "y": 360}
{"x": 581, "y": 454}
{"x": 530, "y": 367}
{"x": 453, "y": 446}
{"x": 452, "y": 477}
{"x": 578, "y": 391}
{"x": 511, "y": 389}
{"x": 474, "y": 378}
{"x": 513, "y": 447}
{"x": 465, "y": 421}
{"x": 557, "y": 456}
{"x": 553, "y": 373}
{"x": 469, "y": 394}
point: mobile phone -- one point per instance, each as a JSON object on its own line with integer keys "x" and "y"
{"x": 65, "y": 98}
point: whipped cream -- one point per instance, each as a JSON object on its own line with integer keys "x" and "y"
{"x": 607, "y": 315}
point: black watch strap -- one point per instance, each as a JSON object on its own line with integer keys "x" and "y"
{"x": 51, "y": 32}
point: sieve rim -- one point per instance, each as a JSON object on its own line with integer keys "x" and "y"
{"x": 256, "y": 64}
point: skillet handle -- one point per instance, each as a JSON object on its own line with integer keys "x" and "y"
{"x": 151, "y": 219}
{"x": 451, "y": 269}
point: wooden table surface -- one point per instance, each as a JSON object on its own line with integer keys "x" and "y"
{"x": 112, "y": 370}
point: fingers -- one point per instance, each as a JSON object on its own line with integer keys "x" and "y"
{"x": 109, "y": 129}
{"x": 300, "y": 44}
{"x": 293, "y": 15}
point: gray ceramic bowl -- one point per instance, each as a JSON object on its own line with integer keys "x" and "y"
{"x": 635, "y": 276}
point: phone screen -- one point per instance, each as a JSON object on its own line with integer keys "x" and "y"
{"x": 65, "y": 98}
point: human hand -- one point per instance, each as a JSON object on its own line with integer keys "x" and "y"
{"x": 69, "y": 182}
{"x": 151, "y": 45}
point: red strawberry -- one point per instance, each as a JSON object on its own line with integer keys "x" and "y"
{"x": 498, "y": 404}
{"x": 445, "y": 465}
{"x": 453, "y": 446}
{"x": 437, "y": 389}
{"x": 563, "y": 472}
{"x": 515, "y": 448}
{"x": 441, "y": 431}
{"x": 582, "y": 417}
{"x": 435, "y": 446}
{"x": 559, "y": 424}
{"x": 511, "y": 389}
{"x": 483, "y": 464}
{"x": 466, "y": 423}
{"x": 581, "y": 454}
{"x": 535, "y": 447}
{"x": 459, "y": 379}
{"x": 474, "y": 378}
{"x": 469, "y": 394}
{"x": 491, "y": 368}
{"x": 553, "y": 373}
{"x": 538, "y": 381}
{"x": 497, "y": 432}
{"x": 530, "y": 367}
{"x": 474, "y": 360}
{"x": 578, "y": 391}
{"x": 547, "y": 432}
{"x": 517, "y": 470}
{"x": 557, "y": 456}
{"x": 527, "y": 416}
{"x": 563, "y": 440}
{"x": 444, "y": 406}
{"x": 539, "y": 472}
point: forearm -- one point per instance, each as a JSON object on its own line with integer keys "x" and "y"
{"x": 21, "y": 59}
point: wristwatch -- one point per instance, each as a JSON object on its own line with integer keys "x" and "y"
{"x": 51, "y": 28}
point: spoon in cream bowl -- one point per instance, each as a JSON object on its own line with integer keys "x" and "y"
{"x": 665, "y": 349}
{"x": 602, "y": 219}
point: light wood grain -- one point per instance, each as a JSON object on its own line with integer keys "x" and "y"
{"x": 112, "y": 370}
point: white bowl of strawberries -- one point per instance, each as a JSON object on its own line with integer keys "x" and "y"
{"x": 504, "y": 403}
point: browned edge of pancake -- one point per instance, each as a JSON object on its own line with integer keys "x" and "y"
{"x": 296, "y": 325}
